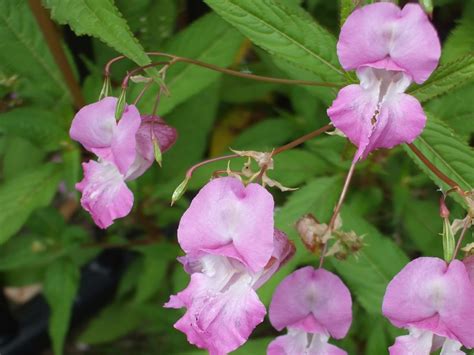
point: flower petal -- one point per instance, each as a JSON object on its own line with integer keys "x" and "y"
{"x": 355, "y": 111}
{"x": 124, "y": 142}
{"x": 313, "y": 300}
{"x": 145, "y": 156}
{"x": 282, "y": 252}
{"x": 352, "y": 112}
{"x": 416, "y": 343}
{"x": 94, "y": 125}
{"x": 469, "y": 264}
{"x": 428, "y": 294}
{"x": 383, "y": 36}
{"x": 227, "y": 218}
{"x": 300, "y": 342}
{"x": 104, "y": 193}
{"x": 222, "y": 307}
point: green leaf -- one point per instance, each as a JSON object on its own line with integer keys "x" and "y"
{"x": 296, "y": 166}
{"x": 265, "y": 135}
{"x": 208, "y": 39}
{"x": 447, "y": 152}
{"x": 101, "y": 19}
{"x": 287, "y": 33}
{"x": 113, "y": 322}
{"x": 460, "y": 41}
{"x": 368, "y": 273}
{"x": 38, "y": 126}
{"x": 21, "y": 196}
{"x": 449, "y": 76}
{"x": 455, "y": 108}
{"x": 23, "y": 51}
{"x": 60, "y": 288}
{"x": 155, "y": 261}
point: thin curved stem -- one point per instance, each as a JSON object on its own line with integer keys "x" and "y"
{"x": 461, "y": 237}
{"x": 137, "y": 70}
{"x": 302, "y": 139}
{"x": 454, "y": 185}
{"x": 267, "y": 79}
{"x": 191, "y": 170}
{"x": 337, "y": 209}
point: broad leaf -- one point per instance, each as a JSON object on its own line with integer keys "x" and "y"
{"x": 286, "y": 32}
{"x": 447, "y": 152}
{"x": 447, "y": 77}
{"x": 101, "y": 19}
{"x": 23, "y": 51}
{"x": 19, "y": 197}
{"x": 60, "y": 288}
{"x": 36, "y": 125}
{"x": 368, "y": 273}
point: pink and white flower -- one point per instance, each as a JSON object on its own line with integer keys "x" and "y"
{"x": 435, "y": 302}
{"x": 388, "y": 47}
{"x": 313, "y": 304}
{"x": 125, "y": 151}
{"x": 222, "y": 305}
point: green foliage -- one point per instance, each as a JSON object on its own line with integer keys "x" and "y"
{"x": 285, "y": 32}
{"x": 23, "y": 52}
{"x": 210, "y": 40}
{"x": 368, "y": 272}
{"x": 447, "y": 152}
{"x": 101, "y": 19}
{"x": 21, "y": 196}
{"x": 37, "y": 125}
{"x": 460, "y": 41}
{"x": 60, "y": 287}
{"x": 448, "y": 77}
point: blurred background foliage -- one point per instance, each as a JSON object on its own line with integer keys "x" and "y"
{"x": 47, "y": 239}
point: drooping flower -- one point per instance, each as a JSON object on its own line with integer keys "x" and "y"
{"x": 435, "y": 302}
{"x": 125, "y": 151}
{"x": 389, "y": 48}
{"x": 96, "y": 128}
{"x": 222, "y": 305}
{"x": 313, "y": 304}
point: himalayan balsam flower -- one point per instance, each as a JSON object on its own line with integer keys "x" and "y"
{"x": 435, "y": 302}
{"x": 125, "y": 151}
{"x": 232, "y": 249}
{"x": 313, "y": 304}
{"x": 389, "y": 48}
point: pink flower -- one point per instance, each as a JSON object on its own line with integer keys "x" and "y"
{"x": 389, "y": 48}
{"x": 435, "y": 302}
{"x": 222, "y": 306}
{"x": 313, "y": 304}
{"x": 469, "y": 264}
{"x": 229, "y": 219}
{"x": 125, "y": 151}
{"x": 96, "y": 128}
{"x": 232, "y": 249}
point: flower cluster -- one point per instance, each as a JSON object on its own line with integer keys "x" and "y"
{"x": 389, "y": 48}
{"x": 125, "y": 150}
{"x": 232, "y": 248}
{"x": 313, "y": 305}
